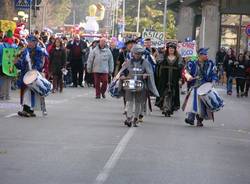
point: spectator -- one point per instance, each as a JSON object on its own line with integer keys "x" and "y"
{"x": 77, "y": 50}
{"x": 57, "y": 63}
{"x": 247, "y": 65}
{"x": 100, "y": 62}
{"x": 240, "y": 75}
{"x": 220, "y": 55}
{"x": 228, "y": 65}
{"x": 115, "y": 52}
{"x": 88, "y": 78}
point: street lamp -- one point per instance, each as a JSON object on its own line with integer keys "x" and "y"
{"x": 138, "y": 16}
{"x": 165, "y": 19}
{"x": 123, "y": 13}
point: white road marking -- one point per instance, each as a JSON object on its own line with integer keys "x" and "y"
{"x": 11, "y": 115}
{"x": 109, "y": 166}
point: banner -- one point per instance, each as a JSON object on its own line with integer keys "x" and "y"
{"x": 157, "y": 38}
{"x": 187, "y": 49}
{"x": 8, "y": 67}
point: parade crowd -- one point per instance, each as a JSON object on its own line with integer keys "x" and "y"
{"x": 132, "y": 70}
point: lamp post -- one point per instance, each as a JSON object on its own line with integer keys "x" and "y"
{"x": 30, "y": 11}
{"x": 138, "y": 16}
{"x": 123, "y": 13}
{"x": 165, "y": 19}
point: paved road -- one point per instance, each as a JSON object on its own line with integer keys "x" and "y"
{"x": 83, "y": 141}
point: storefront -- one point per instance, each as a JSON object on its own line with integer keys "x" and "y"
{"x": 214, "y": 23}
{"x": 235, "y": 16}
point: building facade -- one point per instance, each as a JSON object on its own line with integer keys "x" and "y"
{"x": 213, "y": 23}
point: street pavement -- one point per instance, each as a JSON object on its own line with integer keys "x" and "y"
{"x": 83, "y": 141}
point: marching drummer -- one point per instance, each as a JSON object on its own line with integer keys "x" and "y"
{"x": 138, "y": 71}
{"x": 30, "y": 58}
{"x": 197, "y": 73}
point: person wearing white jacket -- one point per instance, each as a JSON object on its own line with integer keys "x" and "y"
{"x": 100, "y": 63}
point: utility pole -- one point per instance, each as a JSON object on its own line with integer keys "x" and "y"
{"x": 113, "y": 16}
{"x": 74, "y": 16}
{"x": 43, "y": 20}
{"x": 138, "y": 16}
{"x": 35, "y": 6}
{"x": 116, "y": 16}
{"x": 165, "y": 19}
{"x": 123, "y": 13}
{"x": 30, "y": 16}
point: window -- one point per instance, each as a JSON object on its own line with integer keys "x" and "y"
{"x": 229, "y": 37}
{"x": 245, "y": 20}
{"x": 231, "y": 20}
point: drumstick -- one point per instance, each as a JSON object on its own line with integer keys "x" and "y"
{"x": 145, "y": 74}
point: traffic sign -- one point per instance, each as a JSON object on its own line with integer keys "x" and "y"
{"x": 248, "y": 30}
{"x": 22, "y": 4}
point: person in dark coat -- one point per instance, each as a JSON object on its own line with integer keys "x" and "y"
{"x": 125, "y": 54}
{"x": 115, "y": 52}
{"x": 57, "y": 59}
{"x": 77, "y": 50}
{"x": 228, "y": 66}
{"x": 168, "y": 75}
{"x": 220, "y": 55}
{"x": 247, "y": 69}
{"x": 240, "y": 75}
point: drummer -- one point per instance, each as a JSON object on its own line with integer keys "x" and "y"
{"x": 137, "y": 69}
{"x": 29, "y": 100}
{"x": 197, "y": 73}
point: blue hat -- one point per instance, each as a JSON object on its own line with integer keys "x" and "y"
{"x": 32, "y": 38}
{"x": 120, "y": 45}
{"x": 203, "y": 51}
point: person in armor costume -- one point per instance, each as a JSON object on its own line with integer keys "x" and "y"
{"x": 197, "y": 73}
{"x": 138, "y": 69}
{"x": 124, "y": 56}
{"x": 29, "y": 99}
{"x": 168, "y": 75}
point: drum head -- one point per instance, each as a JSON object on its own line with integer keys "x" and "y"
{"x": 30, "y": 77}
{"x": 204, "y": 88}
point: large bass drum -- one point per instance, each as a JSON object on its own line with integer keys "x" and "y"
{"x": 210, "y": 97}
{"x": 36, "y": 82}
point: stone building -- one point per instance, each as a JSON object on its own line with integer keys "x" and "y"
{"x": 213, "y": 23}
{"x": 7, "y": 10}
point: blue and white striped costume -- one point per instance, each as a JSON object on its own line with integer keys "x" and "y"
{"x": 204, "y": 72}
{"x": 28, "y": 97}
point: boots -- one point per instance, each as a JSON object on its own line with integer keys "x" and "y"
{"x": 128, "y": 121}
